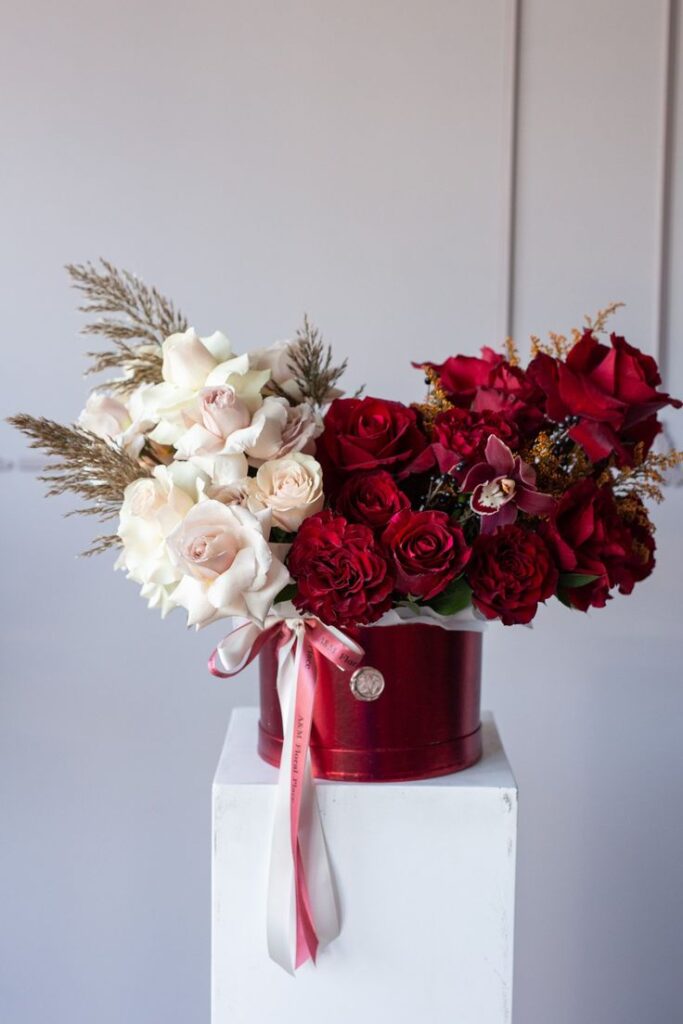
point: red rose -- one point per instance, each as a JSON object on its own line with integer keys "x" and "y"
{"x": 461, "y": 436}
{"x": 460, "y": 376}
{"x": 513, "y": 396}
{"x": 510, "y": 571}
{"x": 491, "y": 384}
{"x": 589, "y": 537}
{"x": 367, "y": 433}
{"x": 341, "y": 573}
{"x": 612, "y": 391}
{"x": 427, "y": 549}
{"x": 371, "y": 498}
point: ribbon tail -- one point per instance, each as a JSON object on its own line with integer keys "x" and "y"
{"x": 317, "y": 868}
{"x": 301, "y": 779}
{"x": 281, "y": 926}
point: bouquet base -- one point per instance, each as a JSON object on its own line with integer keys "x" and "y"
{"x": 400, "y": 765}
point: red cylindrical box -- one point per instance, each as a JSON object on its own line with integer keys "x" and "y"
{"x": 425, "y": 723}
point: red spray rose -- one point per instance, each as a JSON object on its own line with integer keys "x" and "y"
{"x": 588, "y": 537}
{"x": 513, "y": 395}
{"x": 427, "y": 549}
{"x": 367, "y": 433}
{"x": 510, "y": 572}
{"x": 612, "y": 391}
{"x": 460, "y": 376}
{"x": 370, "y": 498}
{"x": 341, "y": 573}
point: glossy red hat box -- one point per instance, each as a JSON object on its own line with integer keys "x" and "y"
{"x": 426, "y": 721}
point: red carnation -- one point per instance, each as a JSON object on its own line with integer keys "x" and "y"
{"x": 461, "y": 436}
{"x": 510, "y": 571}
{"x": 341, "y": 573}
{"x": 427, "y": 549}
{"x": 367, "y": 433}
{"x": 612, "y": 391}
{"x": 589, "y": 537}
{"x": 371, "y": 498}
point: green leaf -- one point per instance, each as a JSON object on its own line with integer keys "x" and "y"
{"x": 286, "y": 594}
{"x": 454, "y": 598}
{"x": 570, "y": 580}
{"x": 279, "y": 536}
{"x": 563, "y": 597}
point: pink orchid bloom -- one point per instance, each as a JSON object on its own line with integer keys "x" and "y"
{"x": 502, "y": 485}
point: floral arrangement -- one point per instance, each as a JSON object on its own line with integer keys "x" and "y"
{"x": 243, "y": 484}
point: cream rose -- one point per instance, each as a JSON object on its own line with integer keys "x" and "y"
{"x": 152, "y": 508}
{"x": 227, "y": 565}
{"x": 291, "y": 487}
{"x": 176, "y": 404}
{"x": 219, "y": 413}
{"x": 303, "y": 425}
{"x": 263, "y": 436}
{"x": 277, "y": 429}
{"x": 278, "y": 359}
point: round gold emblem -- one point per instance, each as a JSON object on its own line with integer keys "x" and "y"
{"x": 367, "y": 683}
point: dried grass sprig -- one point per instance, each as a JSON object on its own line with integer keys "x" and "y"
{"x": 558, "y": 462}
{"x": 437, "y": 400}
{"x": 105, "y": 542}
{"x": 511, "y": 352}
{"x": 127, "y": 310}
{"x": 559, "y": 346}
{"x": 598, "y": 324}
{"x": 311, "y": 365}
{"x": 646, "y": 477}
{"x": 140, "y": 364}
{"x": 88, "y": 466}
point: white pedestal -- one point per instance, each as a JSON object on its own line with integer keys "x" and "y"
{"x": 426, "y": 877}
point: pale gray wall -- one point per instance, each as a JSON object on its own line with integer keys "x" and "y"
{"x": 350, "y": 159}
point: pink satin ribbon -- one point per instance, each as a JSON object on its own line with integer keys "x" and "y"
{"x": 309, "y": 640}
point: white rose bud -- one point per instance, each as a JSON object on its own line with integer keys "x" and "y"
{"x": 187, "y": 361}
{"x": 292, "y": 488}
{"x": 111, "y": 419}
{"x": 104, "y": 416}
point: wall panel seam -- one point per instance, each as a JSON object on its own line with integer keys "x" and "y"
{"x": 664, "y": 187}
{"x": 513, "y": 15}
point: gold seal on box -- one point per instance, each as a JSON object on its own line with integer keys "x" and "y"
{"x": 367, "y": 683}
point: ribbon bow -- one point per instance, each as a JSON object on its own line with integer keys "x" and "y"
{"x": 302, "y": 909}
